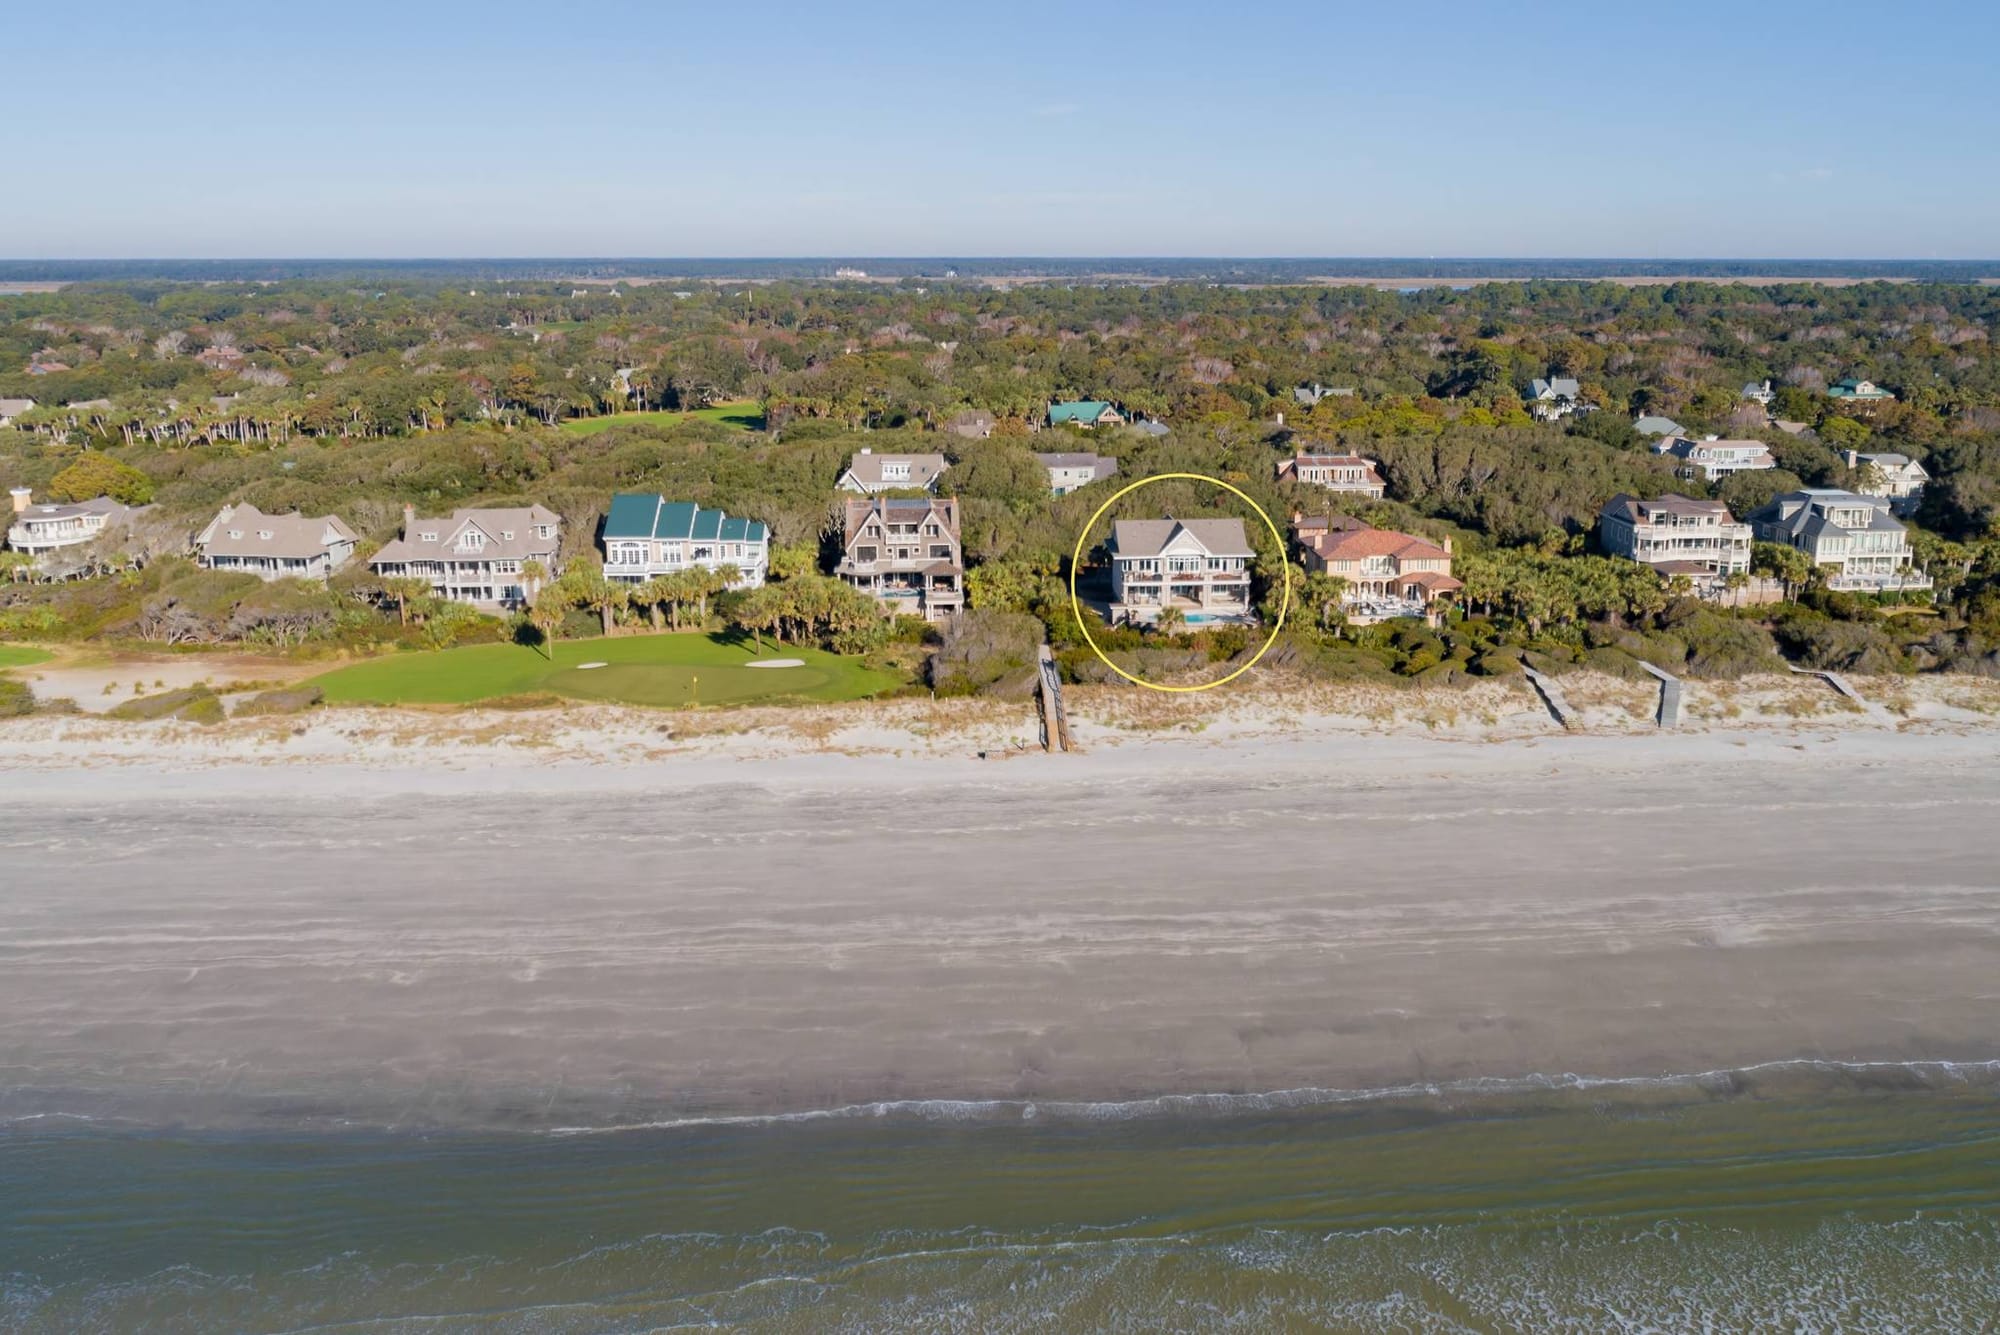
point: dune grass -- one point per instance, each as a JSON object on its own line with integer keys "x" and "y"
{"x": 21, "y": 655}
{"x": 743, "y": 414}
{"x": 663, "y": 671}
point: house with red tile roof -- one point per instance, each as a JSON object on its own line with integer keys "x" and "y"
{"x": 1388, "y": 574}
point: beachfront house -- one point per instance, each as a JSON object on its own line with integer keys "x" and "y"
{"x": 244, "y": 539}
{"x": 1851, "y": 536}
{"x": 1347, "y": 474}
{"x": 1388, "y": 574}
{"x": 1678, "y": 535}
{"x": 870, "y": 473}
{"x": 905, "y": 554}
{"x": 1085, "y": 413}
{"x": 1200, "y": 567}
{"x": 1897, "y": 477}
{"x": 13, "y": 408}
{"x": 1712, "y": 457}
{"x": 475, "y": 556}
{"x": 37, "y": 530}
{"x": 647, "y": 535}
{"x": 1760, "y": 393}
{"x": 1859, "y": 392}
{"x": 1067, "y": 472}
{"x": 1557, "y": 396}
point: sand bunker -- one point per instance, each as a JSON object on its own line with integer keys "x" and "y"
{"x": 585, "y": 667}
{"x": 777, "y": 662}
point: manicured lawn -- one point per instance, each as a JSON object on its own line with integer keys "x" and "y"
{"x": 20, "y": 655}
{"x": 661, "y": 670}
{"x": 744, "y": 414}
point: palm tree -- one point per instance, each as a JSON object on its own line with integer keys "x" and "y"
{"x": 402, "y": 589}
{"x": 546, "y": 614}
{"x": 1170, "y": 620}
{"x": 651, "y": 595}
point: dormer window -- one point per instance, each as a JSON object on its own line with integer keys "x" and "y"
{"x": 429, "y": 536}
{"x": 264, "y": 534}
{"x": 235, "y": 532}
{"x": 895, "y": 472}
{"x": 506, "y": 535}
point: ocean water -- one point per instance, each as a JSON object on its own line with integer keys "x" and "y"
{"x": 1863, "y": 1199}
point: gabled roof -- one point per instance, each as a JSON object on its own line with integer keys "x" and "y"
{"x": 238, "y": 531}
{"x": 1099, "y": 465}
{"x": 1555, "y": 387}
{"x": 866, "y": 469}
{"x": 1651, "y": 425}
{"x": 1151, "y": 537}
{"x": 1077, "y": 410}
{"x": 901, "y": 510}
{"x": 497, "y": 524}
{"x": 637, "y": 515}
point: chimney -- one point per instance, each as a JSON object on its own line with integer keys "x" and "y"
{"x": 866, "y": 450}
{"x": 1854, "y": 458}
{"x": 409, "y": 517}
{"x": 1447, "y": 544}
{"x": 23, "y": 496}
{"x": 1281, "y": 419}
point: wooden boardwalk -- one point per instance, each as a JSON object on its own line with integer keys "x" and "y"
{"x": 1049, "y": 703}
{"x": 1670, "y": 696}
{"x": 1552, "y": 696}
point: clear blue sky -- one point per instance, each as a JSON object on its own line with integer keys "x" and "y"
{"x": 597, "y": 127}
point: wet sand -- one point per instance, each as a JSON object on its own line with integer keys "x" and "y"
{"x": 591, "y": 946}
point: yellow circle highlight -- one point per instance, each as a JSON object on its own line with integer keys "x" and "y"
{"x": 1076, "y": 562}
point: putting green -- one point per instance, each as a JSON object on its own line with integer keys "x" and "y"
{"x": 670, "y": 670}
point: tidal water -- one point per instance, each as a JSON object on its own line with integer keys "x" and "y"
{"x": 1719, "y": 1205}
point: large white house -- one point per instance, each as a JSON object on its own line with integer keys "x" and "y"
{"x": 1682, "y": 535}
{"x": 244, "y": 539}
{"x": 1199, "y": 566}
{"x": 1067, "y": 472}
{"x": 1712, "y": 457}
{"x": 1348, "y": 474}
{"x": 1897, "y": 477}
{"x": 1852, "y": 536}
{"x": 870, "y": 473}
{"x": 648, "y": 535}
{"x": 474, "y": 556}
{"x": 37, "y": 530}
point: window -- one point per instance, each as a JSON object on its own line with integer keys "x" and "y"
{"x": 506, "y": 535}
{"x": 429, "y": 536}
{"x": 235, "y": 532}
{"x": 264, "y": 533}
{"x": 895, "y": 472}
{"x": 940, "y": 552}
{"x": 864, "y": 556}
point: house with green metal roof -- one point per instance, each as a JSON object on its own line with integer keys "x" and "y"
{"x": 647, "y": 535}
{"x": 1863, "y": 391}
{"x": 1085, "y": 413}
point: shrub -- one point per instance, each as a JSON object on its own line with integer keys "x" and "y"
{"x": 16, "y": 698}
{"x": 984, "y": 651}
{"x": 192, "y": 704}
{"x": 295, "y": 700}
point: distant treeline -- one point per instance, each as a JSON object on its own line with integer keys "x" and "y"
{"x": 970, "y": 269}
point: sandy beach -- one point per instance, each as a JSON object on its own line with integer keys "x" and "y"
{"x": 735, "y": 922}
